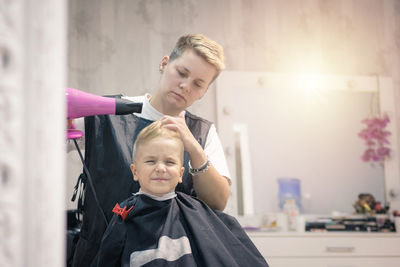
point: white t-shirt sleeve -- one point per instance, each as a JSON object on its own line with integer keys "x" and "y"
{"x": 215, "y": 153}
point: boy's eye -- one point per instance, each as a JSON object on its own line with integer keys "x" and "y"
{"x": 170, "y": 162}
{"x": 150, "y": 161}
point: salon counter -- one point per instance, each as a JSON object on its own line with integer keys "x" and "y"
{"x": 328, "y": 249}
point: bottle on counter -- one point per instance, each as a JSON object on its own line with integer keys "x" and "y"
{"x": 289, "y": 188}
{"x": 291, "y": 210}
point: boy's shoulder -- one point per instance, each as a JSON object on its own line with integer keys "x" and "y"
{"x": 124, "y": 208}
{"x": 129, "y": 201}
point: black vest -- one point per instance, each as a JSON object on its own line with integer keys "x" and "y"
{"x": 108, "y": 155}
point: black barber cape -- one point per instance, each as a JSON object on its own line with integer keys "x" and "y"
{"x": 182, "y": 231}
{"x": 108, "y": 154}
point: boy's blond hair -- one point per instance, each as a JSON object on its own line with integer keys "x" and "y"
{"x": 153, "y": 131}
{"x": 209, "y": 50}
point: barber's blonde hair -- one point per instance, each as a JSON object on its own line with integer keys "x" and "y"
{"x": 209, "y": 50}
{"x": 153, "y": 131}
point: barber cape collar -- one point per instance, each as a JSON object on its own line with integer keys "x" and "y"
{"x": 124, "y": 212}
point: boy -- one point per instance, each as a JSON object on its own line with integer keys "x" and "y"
{"x": 158, "y": 227}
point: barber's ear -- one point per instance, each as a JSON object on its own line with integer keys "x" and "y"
{"x": 164, "y": 62}
{"x": 133, "y": 169}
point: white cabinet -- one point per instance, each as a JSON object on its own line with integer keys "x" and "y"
{"x": 328, "y": 249}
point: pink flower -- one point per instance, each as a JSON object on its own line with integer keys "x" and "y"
{"x": 375, "y": 137}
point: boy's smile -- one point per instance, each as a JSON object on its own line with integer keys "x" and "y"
{"x": 159, "y": 180}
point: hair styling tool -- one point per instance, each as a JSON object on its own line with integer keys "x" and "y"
{"x": 82, "y": 104}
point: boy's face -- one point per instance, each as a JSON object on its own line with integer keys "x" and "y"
{"x": 185, "y": 80}
{"x": 158, "y": 166}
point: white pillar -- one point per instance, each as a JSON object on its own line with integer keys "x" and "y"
{"x": 32, "y": 137}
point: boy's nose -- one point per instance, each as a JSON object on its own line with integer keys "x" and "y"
{"x": 160, "y": 167}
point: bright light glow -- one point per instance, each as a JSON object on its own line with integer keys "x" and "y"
{"x": 309, "y": 85}
{"x": 310, "y": 82}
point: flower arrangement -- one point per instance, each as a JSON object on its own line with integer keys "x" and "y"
{"x": 375, "y": 137}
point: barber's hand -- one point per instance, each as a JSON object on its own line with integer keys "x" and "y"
{"x": 178, "y": 124}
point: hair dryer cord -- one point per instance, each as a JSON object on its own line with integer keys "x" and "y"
{"x": 90, "y": 182}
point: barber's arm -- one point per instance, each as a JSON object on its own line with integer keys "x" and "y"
{"x": 210, "y": 186}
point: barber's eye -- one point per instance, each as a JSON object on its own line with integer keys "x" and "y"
{"x": 181, "y": 73}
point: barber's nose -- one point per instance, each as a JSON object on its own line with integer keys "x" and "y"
{"x": 184, "y": 86}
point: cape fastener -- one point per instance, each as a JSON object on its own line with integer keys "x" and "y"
{"x": 121, "y": 211}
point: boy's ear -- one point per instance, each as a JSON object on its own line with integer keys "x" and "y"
{"x": 133, "y": 170}
{"x": 182, "y": 171}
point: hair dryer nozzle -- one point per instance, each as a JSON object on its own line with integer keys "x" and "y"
{"x": 124, "y": 106}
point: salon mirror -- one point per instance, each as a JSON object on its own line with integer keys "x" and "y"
{"x": 303, "y": 126}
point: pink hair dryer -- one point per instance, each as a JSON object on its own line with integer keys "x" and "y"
{"x": 81, "y": 104}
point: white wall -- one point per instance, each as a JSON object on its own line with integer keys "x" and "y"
{"x": 116, "y": 46}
